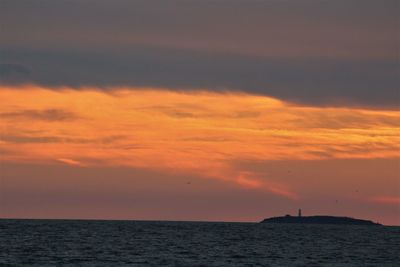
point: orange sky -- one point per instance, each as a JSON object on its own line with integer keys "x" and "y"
{"x": 229, "y": 138}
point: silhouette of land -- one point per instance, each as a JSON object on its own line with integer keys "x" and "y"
{"x": 318, "y": 220}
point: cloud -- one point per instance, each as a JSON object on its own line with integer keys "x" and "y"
{"x": 18, "y": 139}
{"x": 37, "y": 139}
{"x": 14, "y": 73}
{"x": 204, "y": 123}
{"x": 286, "y": 151}
{"x": 134, "y": 128}
{"x": 9, "y": 69}
{"x": 323, "y": 81}
{"x": 318, "y": 52}
{"x": 46, "y": 115}
{"x": 72, "y": 162}
{"x": 251, "y": 180}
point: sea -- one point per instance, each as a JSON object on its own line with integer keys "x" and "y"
{"x": 165, "y": 243}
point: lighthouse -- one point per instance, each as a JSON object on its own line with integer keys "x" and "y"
{"x": 299, "y": 214}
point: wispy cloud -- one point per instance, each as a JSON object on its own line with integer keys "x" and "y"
{"x": 29, "y": 139}
{"x": 197, "y": 133}
{"x": 251, "y": 180}
{"x": 45, "y": 114}
{"x": 71, "y": 162}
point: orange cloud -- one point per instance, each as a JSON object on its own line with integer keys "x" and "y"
{"x": 250, "y": 180}
{"x": 72, "y": 162}
{"x": 202, "y": 133}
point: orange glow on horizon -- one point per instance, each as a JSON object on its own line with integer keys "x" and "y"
{"x": 203, "y": 133}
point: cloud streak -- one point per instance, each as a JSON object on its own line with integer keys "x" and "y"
{"x": 46, "y": 115}
{"x": 197, "y": 133}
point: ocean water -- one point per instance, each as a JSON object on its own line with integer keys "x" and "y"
{"x": 148, "y": 243}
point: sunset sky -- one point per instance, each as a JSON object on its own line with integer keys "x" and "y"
{"x": 226, "y": 110}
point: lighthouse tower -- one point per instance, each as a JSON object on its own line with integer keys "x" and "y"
{"x": 299, "y": 214}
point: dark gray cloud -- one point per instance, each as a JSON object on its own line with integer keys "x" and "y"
{"x": 11, "y": 69}
{"x": 13, "y": 73}
{"x": 319, "y": 52}
{"x": 308, "y": 81}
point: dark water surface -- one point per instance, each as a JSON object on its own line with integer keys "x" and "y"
{"x": 141, "y": 243}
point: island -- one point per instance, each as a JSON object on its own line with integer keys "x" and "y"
{"x": 318, "y": 220}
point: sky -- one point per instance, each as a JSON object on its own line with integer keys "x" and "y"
{"x": 226, "y": 110}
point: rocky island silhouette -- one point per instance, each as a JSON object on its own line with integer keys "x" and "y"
{"x": 319, "y": 219}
